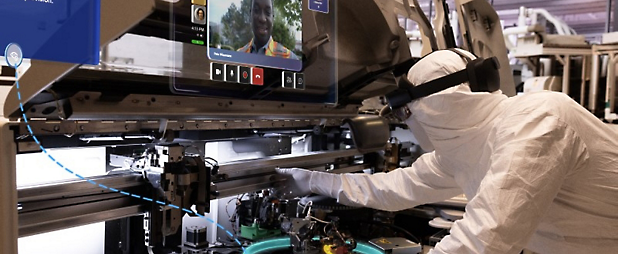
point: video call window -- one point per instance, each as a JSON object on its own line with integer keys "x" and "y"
{"x": 265, "y": 33}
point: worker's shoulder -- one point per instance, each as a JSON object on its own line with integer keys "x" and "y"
{"x": 549, "y": 96}
{"x": 245, "y": 48}
{"x": 549, "y": 108}
{"x": 544, "y": 102}
{"x": 279, "y": 48}
{"x": 281, "y": 51}
{"x": 546, "y": 110}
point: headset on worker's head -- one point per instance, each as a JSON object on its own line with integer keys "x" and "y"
{"x": 482, "y": 75}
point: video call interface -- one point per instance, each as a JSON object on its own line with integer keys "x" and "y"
{"x": 265, "y": 33}
{"x": 255, "y": 42}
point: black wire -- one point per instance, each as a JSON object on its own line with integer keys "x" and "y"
{"x": 210, "y": 158}
{"x": 209, "y": 163}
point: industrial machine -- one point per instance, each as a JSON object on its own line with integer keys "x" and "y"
{"x": 552, "y": 55}
{"x": 192, "y": 125}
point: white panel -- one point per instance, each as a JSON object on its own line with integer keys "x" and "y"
{"x": 37, "y": 168}
{"x": 4, "y": 90}
{"x": 88, "y": 239}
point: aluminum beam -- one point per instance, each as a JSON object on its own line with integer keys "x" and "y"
{"x": 79, "y": 187}
{"x": 268, "y": 165}
{"x": 54, "y": 206}
{"x": 8, "y": 190}
{"x": 53, "y": 219}
{"x": 90, "y": 106}
{"x": 244, "y": 185}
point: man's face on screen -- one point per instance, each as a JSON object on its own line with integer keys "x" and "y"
{"x": 262, "y": 21}
{"x": 200, "y": 14}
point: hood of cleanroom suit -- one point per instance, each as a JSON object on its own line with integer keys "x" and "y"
{"x": 540, "y": 172}
{"x": 443, "y": 120}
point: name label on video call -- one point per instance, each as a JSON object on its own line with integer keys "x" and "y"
{"x": 318, "y": 5}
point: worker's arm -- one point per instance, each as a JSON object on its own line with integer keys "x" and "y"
{"x": 400, "y": 189}
{"x": 529, "y": 162}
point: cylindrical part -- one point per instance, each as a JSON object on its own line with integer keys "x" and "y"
{"x": 519, "y": 30}
{"x": 566, "y": 71}
{"x": 521, "y": 20}
{"x": 611, "y": 82}
{"x": 594, "y": 83}
{"x": 582, "y": 90}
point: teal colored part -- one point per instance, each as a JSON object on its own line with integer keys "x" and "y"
{"x": 367, "y": 249}
{"x": 270, "y": 244}
{"x": 607, "y": 104}
{"x": 284, "y": 242}
{"x": 254, "y": 232}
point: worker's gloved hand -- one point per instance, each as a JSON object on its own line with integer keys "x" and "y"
{"x": 295, "y": 184}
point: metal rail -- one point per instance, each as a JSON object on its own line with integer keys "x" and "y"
{"x": 55, "y": 206}
{"x": 268, "y": 165}
{"x": 78, "y": 187}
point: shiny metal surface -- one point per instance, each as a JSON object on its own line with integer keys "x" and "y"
{"x": 90, "y": 106}
{"x": 268, "y": 165}
{"x": 480, "y": 22}
{"x": 36, "y": 222}
{"x": 78, "y": 187}
{"x": 54, "y": 206}
{"x": 370, "y": 133}
{"x": 594, "y": 82}
{"x": 41, "y": 128}
{"x": 251, "y": 184}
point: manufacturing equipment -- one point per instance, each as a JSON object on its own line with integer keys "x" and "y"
{"x": 193, "y": 127}
{"x": 557, "y": 58}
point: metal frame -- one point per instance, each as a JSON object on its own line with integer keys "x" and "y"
{"x": 411, "y": 9}
{"x": 44, "y": 127}
{"x": 54, "y": 206}
{"x": 610, "y": 92}
{"x": 248, "y": 176}
{"x": 483, "y": 36}
{"x": 110, "y": 207}
{"x": 8, "y": 190}
{"x": 89, "y": 106}
{"x": 78, "y": 187}
{"x": 563, "y": 55}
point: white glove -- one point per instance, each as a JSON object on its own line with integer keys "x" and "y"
{"x": 296, "y": 182}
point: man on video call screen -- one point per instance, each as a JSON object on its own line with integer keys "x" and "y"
{"x": 262, "y": 13}
{"x": 256, "y": 32}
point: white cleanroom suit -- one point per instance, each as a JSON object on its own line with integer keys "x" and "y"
{"x": 539, "y": 170}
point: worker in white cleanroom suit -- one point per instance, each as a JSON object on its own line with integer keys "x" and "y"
{"x": 540, "y": 171}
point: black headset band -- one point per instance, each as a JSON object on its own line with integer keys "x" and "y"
{"x": 480, "y": 73}
{"x": 436, "y": 85}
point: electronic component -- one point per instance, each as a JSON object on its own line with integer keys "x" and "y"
{"x": 396, "y": 245}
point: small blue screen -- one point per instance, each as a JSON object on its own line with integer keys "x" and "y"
{"x": 52, "y": 30}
